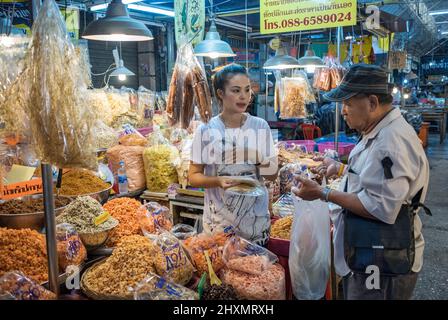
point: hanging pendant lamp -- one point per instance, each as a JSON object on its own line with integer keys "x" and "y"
{"x": 310, "y": 61}
{"x": 212, "y": 46}
{"x": 117, "y": 25}
{"x": 120, "y": 71}
{"x": 281, "y": 61}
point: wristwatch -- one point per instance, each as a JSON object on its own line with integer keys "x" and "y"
{"x": 325, "y": 193}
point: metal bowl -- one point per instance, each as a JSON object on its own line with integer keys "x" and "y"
{"x": 100, "y": 196}
{"x": 94, "y": 240}
{"x": 34, "y": 220}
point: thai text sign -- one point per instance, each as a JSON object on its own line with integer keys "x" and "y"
{"x": 280, "y": 16}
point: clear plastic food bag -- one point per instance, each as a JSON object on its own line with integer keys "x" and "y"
{"x": 309, "y": 252}
{"x": 61, "y": 119}
{"x": 196, "y": 247}
{"x": 183, "y": 231}
{"x": 161, "y": 163}
{"x": 188, "y": 83}
{"x": 105, "y": 136}
{"x": 146, "y": 106}
{"x": 71, "y": 251}
{"x": 14, "y": 285}
{"x": 270, "y": 285}
{"x": 154, "y": 287}
{"x": 245, "y": 256}
{"x": 131, "y": 137}
{"x": 154, "y": 219}
{"x": 171, "y": 260}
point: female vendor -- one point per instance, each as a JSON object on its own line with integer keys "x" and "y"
{"x": 234, "y": 144}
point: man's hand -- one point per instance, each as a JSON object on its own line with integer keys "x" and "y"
{"x": 308, "y": 189}
{"x": 329, "y": 167}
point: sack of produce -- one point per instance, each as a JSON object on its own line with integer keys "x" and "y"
{"x": 133, "y": 162}
{"x": 183, "y": 231}
{"x": 245, "y": 256}
{"x": 171, "y": 260}
{"x": 154, "y": 287}
{"x": 154, "y": 219}
{"x": 71, "y": 251}
{"x": 160, "y": 163}
{"x": 270, "y": 285}
{"x": 15, "y": 285}
{"x": 309, "y": 251}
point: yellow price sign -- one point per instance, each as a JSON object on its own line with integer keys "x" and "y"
{"x": 279, "y": 16}
{"x": 102, "y": 218}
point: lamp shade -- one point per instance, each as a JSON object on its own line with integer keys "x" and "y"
{"x": 310, "y": 60}
{"x": 122, "y": 70}
{"x": 212, "y": 46}
{"x": 280, "y": 61}
{"x": 117, "y": 26}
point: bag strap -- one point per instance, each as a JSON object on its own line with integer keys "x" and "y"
{"x": 415, "y": 203}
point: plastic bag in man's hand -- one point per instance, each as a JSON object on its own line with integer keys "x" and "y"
{"x": 309, "y": 251}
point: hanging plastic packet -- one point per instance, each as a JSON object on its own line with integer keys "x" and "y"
{"x": 154, "y": 219}
{"x": 154, "y": 287}
{"x": 146, "y": 106}
{"x": 245, "y": 256}
{"x": 71, "y": 251}
{"x": 14, "y": 285}
{"x": 171, "y": 260}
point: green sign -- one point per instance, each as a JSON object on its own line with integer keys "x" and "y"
{"x": 189, "y": 20}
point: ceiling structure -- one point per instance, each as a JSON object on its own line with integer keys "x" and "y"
{"x": 416, "y": 30}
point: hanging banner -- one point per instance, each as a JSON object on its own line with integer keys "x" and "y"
{"x": 397, "y": 60}
{"x": 280, "y": 16}
{"x": 71, "y": 16}
{"x": 22, "y": 16}
{"x": 189, "y": 20}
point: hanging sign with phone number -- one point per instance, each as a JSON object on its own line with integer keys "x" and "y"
{"x": 280, "y": 16}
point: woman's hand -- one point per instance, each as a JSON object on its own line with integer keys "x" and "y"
{"x": 308, "y": 189}
{"x": 226, "y": 182}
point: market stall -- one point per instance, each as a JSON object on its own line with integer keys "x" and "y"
{"x": 94, "y": 182}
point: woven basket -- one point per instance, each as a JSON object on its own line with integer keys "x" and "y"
{"x": 92, "y": 294}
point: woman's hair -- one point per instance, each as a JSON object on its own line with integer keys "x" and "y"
{"x": 221, "y": 77}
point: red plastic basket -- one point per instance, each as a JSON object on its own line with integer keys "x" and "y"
{"x": 344, "y": 147}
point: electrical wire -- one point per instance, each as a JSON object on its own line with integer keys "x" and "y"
{"x": 247, "y": 38}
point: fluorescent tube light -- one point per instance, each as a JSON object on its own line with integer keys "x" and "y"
{"x": 104, "y": 6}
{"x": 439, "y": 12}
{"x": 138, "y": 7}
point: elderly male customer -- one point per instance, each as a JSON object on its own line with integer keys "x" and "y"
{"x": 377, "y": 232}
